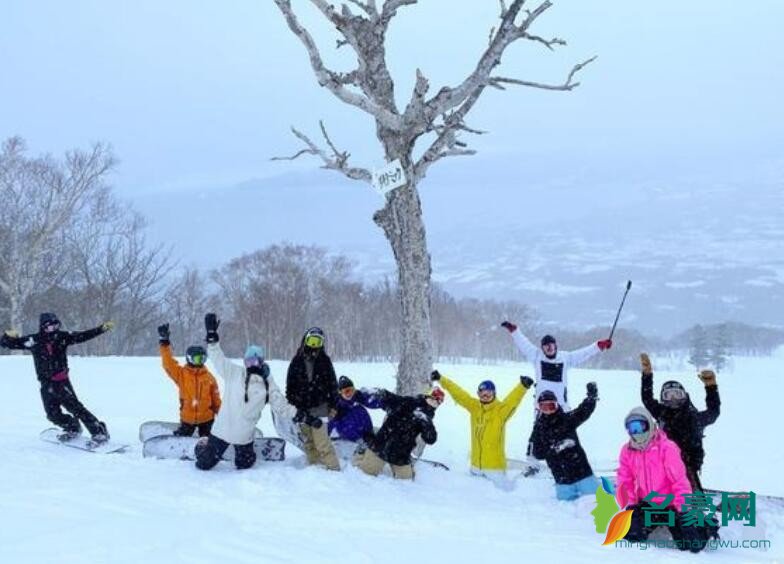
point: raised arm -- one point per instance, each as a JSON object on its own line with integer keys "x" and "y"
{"x": 76, "y": 337}
{"x": 461, "y": 397}
{"x": 526, "y": 347}
{"x": 170, "y": 364}
{"x": 582, "y": 412}
{"x": 575, "y": 358}
{"x": 12, "y": 340}
{"x": 712, "y": 400}
{"x": 646, "y": 391}
{"x": 223, "y": 366}
{"x": 512, "y": 400}
{"x": 375, "y": 398}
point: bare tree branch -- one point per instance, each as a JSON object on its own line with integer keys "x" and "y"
{"x": 338, "y": 161}
{"x": 330, "y": 79}
{"x": 549, "y": 44}
{"x": 499, "y": 81}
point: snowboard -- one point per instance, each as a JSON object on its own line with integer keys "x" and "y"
{"x": 82, "y": 442}
{"x": 150, "y": 429}
{"x": 168, "y": 446}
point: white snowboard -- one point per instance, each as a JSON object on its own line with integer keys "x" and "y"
{"x": 82, "y": 442}
{"x": 150, "y": 429}
{"x": 183, "y": 448}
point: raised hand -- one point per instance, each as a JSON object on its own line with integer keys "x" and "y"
{"x": 645, "y": 364}
{"x": 604, "y": 344}
{"x": 708, "y": 377}
{"x": 435, "y": 375}
{"x": 211, "y": 323}
{"x": 163, "y": 334}
{"x": 107, "y": 326}
{"x": 509, "y": 326}
{"x": 593, "y": 390}
{"x": 526, "y": 381}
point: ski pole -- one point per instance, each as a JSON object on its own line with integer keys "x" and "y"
{"x": 628, "y": 287}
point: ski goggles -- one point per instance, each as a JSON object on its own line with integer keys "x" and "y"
{"x": 637, "y": 426}
{"x": 548, "y": 407}
{"x": 314, "y": 341}
{"x": 252, "y": 361}
{"x": 673, "y": 394}
{"x": 197, "y": 359}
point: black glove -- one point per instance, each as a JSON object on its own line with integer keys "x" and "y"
{"x": 300, "y": 416}
{"x": 435, "y": 375}
{"x": 526, "y": 381}
{"x": 211, "y": 323}
{"x": 509, "y": 326}
{"x": 314, "y": 422}
{"x": 593, "y": 391}
{"x": 163, "y": 334}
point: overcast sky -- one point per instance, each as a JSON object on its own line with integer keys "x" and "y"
{"x": 200, "y": 94}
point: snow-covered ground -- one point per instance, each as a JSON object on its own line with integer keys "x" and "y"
{"x": 67, "y": 506}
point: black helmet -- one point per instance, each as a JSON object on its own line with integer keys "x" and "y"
{"x": 196, "y": 355}
{"x": 345, "y": 382}
{"x": 47, "y": 319}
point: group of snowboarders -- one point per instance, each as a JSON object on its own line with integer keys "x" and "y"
{"x": 664, "y": 452}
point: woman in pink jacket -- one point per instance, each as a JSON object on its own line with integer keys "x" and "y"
{"x": 650, "y": 462}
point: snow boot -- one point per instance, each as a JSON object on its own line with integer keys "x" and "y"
{"x": 102, "y": 434}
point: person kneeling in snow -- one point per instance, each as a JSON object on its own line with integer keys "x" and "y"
{"x": 555, "y": 439}
{"x": 247, "y": 389}
{"x": 351, "y": 421}
{"x": 651, "y": 472}
{"x": 407, "y": 418}
{"x": 488, "y": 424}
{"x": 199, "y": 394}
{"x": 683, "y": 423}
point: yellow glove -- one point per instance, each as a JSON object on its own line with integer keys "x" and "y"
{"x": 11, "y": 333}
{"x": 645, "y": 364}
{"x": 108, "y": 326}
{"x": 708, "y": 377}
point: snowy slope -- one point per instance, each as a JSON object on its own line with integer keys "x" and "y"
{"x": 67, "y": 506}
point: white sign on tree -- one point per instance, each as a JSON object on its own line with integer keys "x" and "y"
{"x": 389, "y": 177}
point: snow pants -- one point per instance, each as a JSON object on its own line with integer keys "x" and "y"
{"x": 691, "y": 537}
{"x": 208, "y": 455}
{"x": 318, "y": 447}
{"x": 57, "y": 395}
{"x": 570, "y": 492}
{"x": 370, "y": 463}
{"x": 187, "y": 429}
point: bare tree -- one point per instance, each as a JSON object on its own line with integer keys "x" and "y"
{"x": 41, "y": 197}
{"x": 438, "y": 120}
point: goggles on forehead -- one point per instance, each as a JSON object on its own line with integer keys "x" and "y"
{"x": 637, "y": 426}
{"x": 314, "y": 341}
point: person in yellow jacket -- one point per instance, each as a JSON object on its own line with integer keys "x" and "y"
{"x": 199, "y": 394}
{"x": 488, "y": 424}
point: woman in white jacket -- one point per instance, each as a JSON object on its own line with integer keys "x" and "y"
{"x": 247, "y": 389}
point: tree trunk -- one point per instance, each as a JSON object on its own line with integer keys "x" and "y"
{"x": 401, "y": 220}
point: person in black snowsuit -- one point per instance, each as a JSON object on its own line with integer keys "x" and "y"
{"x": 312, "y": 388}
{"x": 555, "y": 440}
{"x": 49, "y": 349}
{"x": 683, "y": 423}
{"x": 407, "y": 418}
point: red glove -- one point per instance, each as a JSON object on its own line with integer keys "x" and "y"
{"x": 604, "y": 344}
{"x": 509, "y": 326}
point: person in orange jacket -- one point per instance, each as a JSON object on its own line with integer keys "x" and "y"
{"x": 199, "y": 395}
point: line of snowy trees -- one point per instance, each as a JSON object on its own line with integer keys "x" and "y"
{"x": 69, "y": 245}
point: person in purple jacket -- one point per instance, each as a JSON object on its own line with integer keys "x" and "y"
{"x": 351, "y": 421}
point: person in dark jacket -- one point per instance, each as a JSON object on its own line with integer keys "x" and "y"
{"x": 351, "y": 421}
{"x": 312, "y": 388}
{"x": 49, "y": 349}
{"x": 555, "y": 440}
{"x": 407, "y": 418}
{"x": 683, "y": 423}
